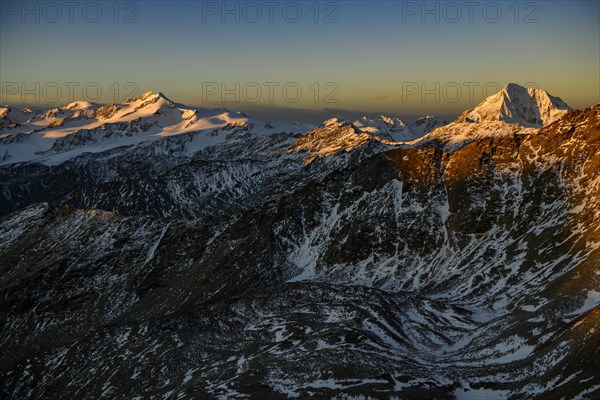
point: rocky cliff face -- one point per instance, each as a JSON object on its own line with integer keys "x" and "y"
{"x": 386, "y": 270}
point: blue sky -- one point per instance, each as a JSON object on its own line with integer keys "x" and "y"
{"x": 400, "y": 58}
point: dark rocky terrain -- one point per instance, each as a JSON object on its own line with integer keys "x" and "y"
{"x": 408, "y": 271}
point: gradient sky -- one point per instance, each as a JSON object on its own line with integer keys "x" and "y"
{"x": 380, "y": 55}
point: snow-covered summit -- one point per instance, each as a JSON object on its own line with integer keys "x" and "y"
{"x": 512, "y": 110}
{"x": 11, "y": 117}
{"x": 337, "y": 135}
{"x": 82, "y": 126}
{"x": 515, "y": 104}
{"x": 151, "y": 98}
{"x": 80, "y": 105}
{"x": 61, "y": 133}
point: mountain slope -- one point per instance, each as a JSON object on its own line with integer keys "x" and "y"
{"x": 463, "y": 263}
{"x": 336, "y": 135}
{"x": 12, "y": 118}
{"x": 61, "y": 134}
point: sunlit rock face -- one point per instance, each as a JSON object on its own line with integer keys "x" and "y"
{"x": 220, "y": 263}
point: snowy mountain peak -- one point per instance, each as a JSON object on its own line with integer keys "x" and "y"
{"x": 62, "y": 133}
{"x": 150, "y": 98}
{"x": 68, "y": 131}
{"x": 518, "y": 105}
{"x": 79, "y": 105}
{"x": 423, "y": 125}
{"x": 387, "y": 128}
{"x": 337, "y": 135}
{"x": 393, "y": 123}
{"x": 334, "y": 122}
{"x": 11, "y": 117}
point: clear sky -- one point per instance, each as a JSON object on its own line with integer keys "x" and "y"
{"x": 300, "y": 60}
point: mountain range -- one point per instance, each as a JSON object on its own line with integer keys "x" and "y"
{"x": 153, "y": 250}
